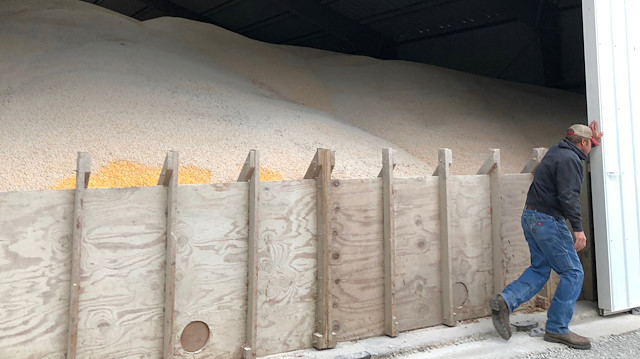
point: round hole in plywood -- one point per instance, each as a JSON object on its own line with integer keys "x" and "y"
{"x": 460, "y": 294}
{"x": 194, "y": 336}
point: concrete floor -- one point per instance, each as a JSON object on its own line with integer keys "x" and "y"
{"x": 473, "y": 340}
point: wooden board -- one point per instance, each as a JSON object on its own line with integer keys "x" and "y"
{"x": 123, "y": 261}
{"x": 287, "y": 266}
{"x": 418, "y": 284}
{"x": 122, "y": 273}
{"x": 389, "y": 218}
{"x": 357, "y": 260}
{"x": 472, "y": 259}
{"x": 211, "y": 266}
{"x": 35, "y": 241}
{"x": 516, "y": 249}
{"x": 169, "y": 179}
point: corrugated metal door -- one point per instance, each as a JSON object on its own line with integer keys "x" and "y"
{"x": 612, "y": 67}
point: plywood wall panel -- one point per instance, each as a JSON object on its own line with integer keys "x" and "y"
{"x": 122, "y": 273}
{"x": 357, "y": 259}
{"x": 516, "y": 250}
{"x": 287, "y": 266}
{"x": 211, "y": 266}
{"x": 123, "y": 255}
{"x": 35, "y": 242}
{"x": 472, "y": 259}
{"x": 418, "y": 284}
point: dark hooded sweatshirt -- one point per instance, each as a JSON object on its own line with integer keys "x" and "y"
{"x": 557, "y": 182}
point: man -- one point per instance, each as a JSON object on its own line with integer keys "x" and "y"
{"x": 553, "y": 196}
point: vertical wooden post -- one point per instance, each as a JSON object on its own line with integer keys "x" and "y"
{"x": 492, "y": 168}
{"x": 83, "y": 173}
{"x": 320, "y": 169}
{"x": 388, "y": 205}
{"x": 169, "y": 178}
{"x": 444, "y": 162}
{"x": 534, "y": 161}
{"x": 251, "y": 173}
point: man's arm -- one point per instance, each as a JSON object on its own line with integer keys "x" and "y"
{"x": 569, "y": 184}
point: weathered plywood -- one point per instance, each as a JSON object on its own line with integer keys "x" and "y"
{"x": 123, "y": 263}
{"x": 389, "y": 213}
{"x": 287, "y": 266}
{"x": 251, "y": 173}
{"x": 516, "y": 249}
{"x": 83, "y": 173}
{"x": 122, "y": 273}
{"x": 446, "y": 223}
{"x": 357, "y": 258}
{"x": 471, "y": 255}
{"x": 169, "y": 179}
{"x": 320, "y": 169}
{"x": 211, "y": 266}
{"x": 35, "y": 242}
{"x": 418, "y": 284}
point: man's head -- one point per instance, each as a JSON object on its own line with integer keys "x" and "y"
{"x": 581, "y": 136}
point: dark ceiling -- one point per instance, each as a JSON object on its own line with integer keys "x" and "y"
{"x": 386, "y": 28}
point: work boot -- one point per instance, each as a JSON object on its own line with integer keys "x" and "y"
{"x": 500, "y": 315}
{"x": 571, "y": 339}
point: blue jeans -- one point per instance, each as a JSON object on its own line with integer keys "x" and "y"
{"x": 551, "y": 247}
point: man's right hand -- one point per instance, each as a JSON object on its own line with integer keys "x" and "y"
{"x": 580, "y": 240}
{"x": 595, "y": 134}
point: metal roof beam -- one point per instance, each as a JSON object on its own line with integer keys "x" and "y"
{"x": 300, "y": 39}
{"x": 221, "y": 7}
{"x": 360, "y": 37}
{"x": 460, "y": 31}
{"x": 406, "y": 10}
{"x": 266, "y": 22}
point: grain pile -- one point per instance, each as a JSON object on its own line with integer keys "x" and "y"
{"x": 130, "y": 174}
{"x": 77, "y": 77}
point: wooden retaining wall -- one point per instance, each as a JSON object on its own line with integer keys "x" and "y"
{"x": 253, "y": 268}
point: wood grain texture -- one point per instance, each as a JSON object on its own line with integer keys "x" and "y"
{"x": 495, "y": 198}
{"x": 389, "y": 214}
{"x": 122, "y": 273}
{"x": 83, "y": 173}
{"x": 323, "y": 337}
{"x": 251, "y": 172}
{"x": 35, "y": 244}
{"x": 534, "y": 161}
{"x": 123, "y": 263}
{"x": 211, "y": 266}
{"x": 169, "y": 179}
{"x": 516, "y": 249}
{"x": 287, "y": 266}
{"x": 446, "y": 250}
{"x": 418, "y": 284}
{"x": 472, "y": 259}
{"x": 357, "y": 258}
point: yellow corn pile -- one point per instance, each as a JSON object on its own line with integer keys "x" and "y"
{"x": 131, "y": 174}
{"x": 268, "y": 174}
